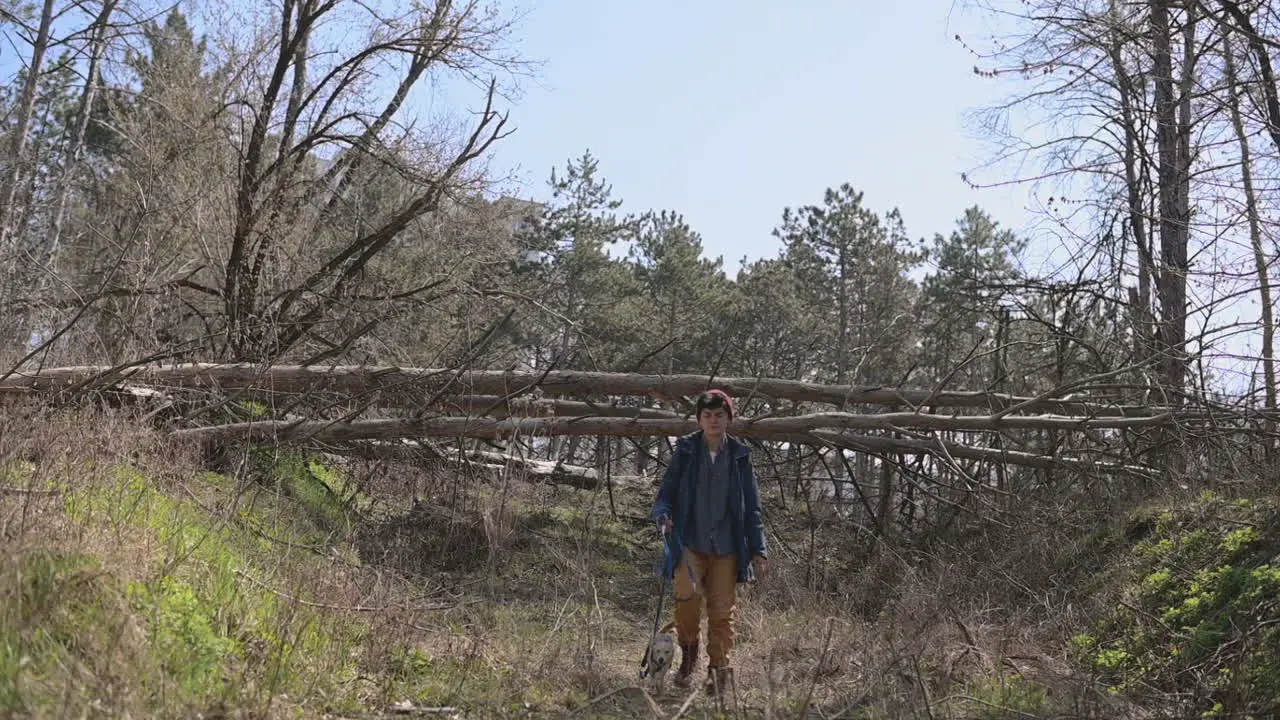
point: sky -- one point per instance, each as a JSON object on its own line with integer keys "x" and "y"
{"x": 730, "y": 112}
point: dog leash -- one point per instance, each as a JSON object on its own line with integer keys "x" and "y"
{"x": 657, "y": 617}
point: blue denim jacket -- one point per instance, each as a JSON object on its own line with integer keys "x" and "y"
{"x": 675, "y": 500}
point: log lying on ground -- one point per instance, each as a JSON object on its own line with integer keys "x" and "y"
{"x": 412, "y": 387}
{"x": 542, "y": 471}
{"x": 555, "y": 473}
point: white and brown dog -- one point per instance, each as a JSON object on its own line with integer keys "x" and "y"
{"x": 662, "y": 650}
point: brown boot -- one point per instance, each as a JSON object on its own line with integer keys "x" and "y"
{"x": 688, "y": 662}
{"x": 718, "y": 679}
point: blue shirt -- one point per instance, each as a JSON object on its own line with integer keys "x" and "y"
{"x": 712, "y": 528}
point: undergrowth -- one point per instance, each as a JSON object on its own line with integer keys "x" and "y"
{"x": 164, "y": 609}
{"x": 1197, "y": 623}
{"x": 138, "y": 583}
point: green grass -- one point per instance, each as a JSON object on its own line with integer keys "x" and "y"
{"x": 208, "y": 595}
{"x": 205, "y": 634}
{"x": 1005, "y": 698}
{"x": 55, "y": 613}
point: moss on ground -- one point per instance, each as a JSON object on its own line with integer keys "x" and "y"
{"x": 1198, "y": 620}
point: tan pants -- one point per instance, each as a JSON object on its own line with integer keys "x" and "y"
{"x": 713, "y": 578}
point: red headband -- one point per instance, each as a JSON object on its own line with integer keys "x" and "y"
{"x": 728, "y": 401}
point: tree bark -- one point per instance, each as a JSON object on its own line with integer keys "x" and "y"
{"x": 1174, "y": 198}
{"x": 1255, "y": 238}
{"x": 307, "y": 432}
{"x": 10, "y": 252}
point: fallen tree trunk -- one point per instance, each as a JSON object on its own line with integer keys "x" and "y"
{"x": 555, "y": 473}
{"x": 498, "y": 406}
{"x": 412, "y": 387}
{"x": 778, "y": 429}
{"x": 492, "y": 428}
{"x": 945, "y": 449}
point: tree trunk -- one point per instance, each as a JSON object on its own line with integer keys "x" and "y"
{"x": 998, "y": 372}
{"x": 240, "y": 304}
{"x": 1141, "y": 300}
{"x": 777, "y": 429}
{"x": 883, "y": 524}
{"x": 1174, "y": 198}
{"x": 1270, "y": 91}
{"x": 411, "y": 387}
{"x": 842, "y": 300}
{"x": 16, "y": 161}
{"x": 1255, "y": 240}
{"x": 97, "y": 46}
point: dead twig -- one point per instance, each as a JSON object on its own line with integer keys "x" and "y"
{"x": 817, "y": 671}
{"x": 688, "y": 703}
{"x": 653, "y": 704}
{"x": 601, "y": 698}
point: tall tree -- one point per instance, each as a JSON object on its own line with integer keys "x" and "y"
{"x": 572, "y": 277}
{"x": 145, "y": 238}
{"x": 98, "y": 36}
{"x": 266, "y": 312}
{"x": 17, "y": 165}
{"x": 18, "y": 136}
{"x": 689, "y": 293}
{"x": 254, "y": 188}
{"x": 779, "y": 334}
{"x": 1121, "y": 106}
{"x": 1254, "y": 220}
{"x": 1173, "y": 144}
{"x": 854, "y": 267}
{"x": 963, "y": 298}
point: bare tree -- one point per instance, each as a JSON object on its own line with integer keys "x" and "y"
{"x": 1173, "y": 140}
{"x": 260, "y": 181}
{"x": 75, "y": 144}
{"x": 267, "y": 324}
{"x": 17, "y": 161}
{"x": 1255, "y": 233}
{"x": 1122, "y": 103}
{"x": 1237, "y": 16}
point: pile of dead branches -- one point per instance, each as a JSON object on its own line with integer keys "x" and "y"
{"x": 387, "y": 411}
